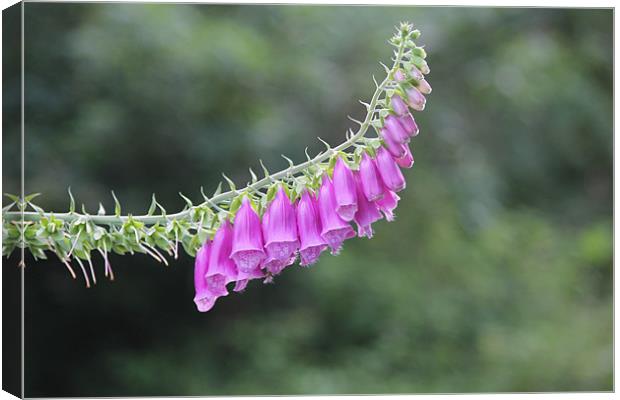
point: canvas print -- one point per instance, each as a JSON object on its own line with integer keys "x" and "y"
{"x": 206, "y": 200}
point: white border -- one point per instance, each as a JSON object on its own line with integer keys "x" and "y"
{"x": 553, "y": 3}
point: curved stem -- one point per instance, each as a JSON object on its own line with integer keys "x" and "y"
{"x": 152, "y": 219}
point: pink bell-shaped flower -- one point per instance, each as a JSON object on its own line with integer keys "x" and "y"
{"x": 389, "y": 171}
{"x": 396, "y": 130}
{"x": 309, "y": 226}
{"x": 204, "y": 299}
{"x": 367, "y": 211}
{"x": 334, "y": 230}
{"x": 416, "y": 100}
{"x": 247, "y": 248}
{"x": 280, "y": 228}
{"x": 396, "y": 149}
{"x": 405, "y": 161}
{"x": 222, "y": 269}
{"x": 398, "y": 105}
{"x": 372, "y": 185}
{"x": 388, "y": 203}
{"x": 409, "y": 125}
{"x": 281, "y": 239}
{"x": 344, "y": 190}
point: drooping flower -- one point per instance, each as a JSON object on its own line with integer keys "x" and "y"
{"x": 424, "y": 87}
{"x": 204, "y": 299}
{"x": 222, "y": 269}
{"x": 309, "y": 225}
{"x": 372, "y": 185}
{"x": 396, "y": 129}
{"x": 247, "y": 248}
{"x": 281, "y": 239}
{"x": 392, "y": 141}
{"x": 388, "y": 203}
{"x": 334, "y": 230}
{"x": 280, "y": 233}
{"x": 409, "y": 124}
{"x": 270, "y": 263}
{"x": 407, "y": 160}
{"x": 395, "y": 148}
{"x": 416, "y": 100}
{"x": 390, "y": 173}
{"x": 344, "y": 190}
{"x": 398, "y": 105}
{"x": 367, "y": 211}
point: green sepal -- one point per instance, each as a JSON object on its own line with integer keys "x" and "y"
{"x": 117, "y": 205}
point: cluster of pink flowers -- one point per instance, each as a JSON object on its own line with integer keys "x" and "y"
{"x": 252, "y": 247}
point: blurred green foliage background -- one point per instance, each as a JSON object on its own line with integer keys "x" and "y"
{"x": 496, "y": 275}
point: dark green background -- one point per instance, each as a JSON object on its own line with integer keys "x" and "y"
{"x": 495, "y": 276}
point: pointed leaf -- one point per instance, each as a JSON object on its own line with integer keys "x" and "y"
{"x": 71, "y": 201}
{"x": 253, "y": 175}
{"x": 265, "y": 171}
{"x": 230, "y": 183}
{"x": 29, "y": 197}
{"x": 13, "y": 197}
{"x": 117, "y": 205}
{"x": 188, "y": 201}
{"x": 218, "y": 190}
{"x": 153, "y": 206}
{"x": 291, "y": 164}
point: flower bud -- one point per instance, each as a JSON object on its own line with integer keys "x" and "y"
{"x": 334, "y": 229}
{"x": 204, "y": 299}
{"x": 247, "y": 248}
{"x": 405, "y": 161}
{"x": 416, "y": 74}
{"x": 421, "y": 64}
{"x": 424, "y": 87}
{"x": 420, "y": 52}
{"x": 399, "y": 76}
{"x": 372, "y": 185}
{"x": 395, "y": 130}
{"x": 367, "y": 211}
{"x": 389, "y": 171}
{"x": 409, "y": 125}
{"x": 398, "y": 105}
{"x": 344, "y": 190}
{"x": 309, "y": 225}
{"x": 416, "y": 99}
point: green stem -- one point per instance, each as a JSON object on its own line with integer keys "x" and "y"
{"x": 152, "y": 219}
